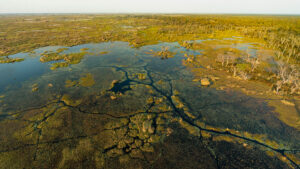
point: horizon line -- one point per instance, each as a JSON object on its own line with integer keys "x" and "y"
{"x": 151, "y": 13}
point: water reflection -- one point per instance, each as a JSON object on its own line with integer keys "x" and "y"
{"x": 127, "y": 108}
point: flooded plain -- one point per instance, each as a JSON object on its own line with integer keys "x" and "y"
{"x": 115, "y": 106}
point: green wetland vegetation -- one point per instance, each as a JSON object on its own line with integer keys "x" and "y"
{"x": 149, "y": 91}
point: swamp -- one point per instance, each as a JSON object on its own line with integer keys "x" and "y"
{"x": 149, "y": 91}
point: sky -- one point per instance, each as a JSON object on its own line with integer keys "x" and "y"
{"x": 151, "y": 6}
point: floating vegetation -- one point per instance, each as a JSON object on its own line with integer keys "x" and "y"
{"x": 10, "y": 60}
{"x": 87, "y": 80}
{"x": 34, "y": 88}
{"x": 59, "y": 65}
{"x": 67, "y": 99}
{"x": 60, "y": 50}
{"x": 64, "y": 60}
{"x": 84, "y": 49}
{"x": 103, "y": 52}
{"x": 141, "y": 76}
{"x": 70, "y": 83}
{"x": 163, "y": 54}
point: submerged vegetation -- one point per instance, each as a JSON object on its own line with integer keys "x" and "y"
{"x": 87, "y": 80}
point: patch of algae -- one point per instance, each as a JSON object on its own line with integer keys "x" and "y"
{"x": 87, "y": 80}
{"x": 70, "y": 83}
{"x": 69, "y": 101}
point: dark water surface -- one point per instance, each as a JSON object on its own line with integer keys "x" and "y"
{"x": 128, "y": 109}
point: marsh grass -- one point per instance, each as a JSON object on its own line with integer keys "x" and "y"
{"x": 280, "y": 33}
